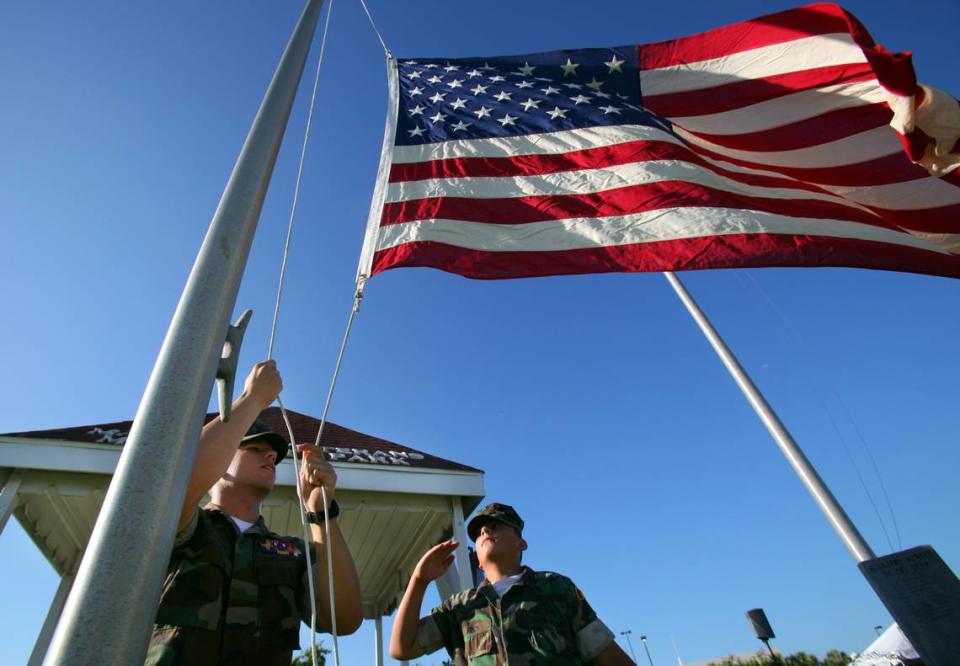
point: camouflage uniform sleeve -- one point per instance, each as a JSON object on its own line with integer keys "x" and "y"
{"x": 435, "y": 630}
{"x": 592, "y": 635}
{"x": 183, "y": 536}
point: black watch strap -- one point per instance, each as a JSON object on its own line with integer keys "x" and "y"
{"x": 318, "y": 518}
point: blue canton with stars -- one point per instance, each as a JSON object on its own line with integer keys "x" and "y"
{"x": 477, "y": 98}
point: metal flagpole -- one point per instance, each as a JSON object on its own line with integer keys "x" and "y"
{"x": 851, "y": 537}
{"x": 109, "y": 614}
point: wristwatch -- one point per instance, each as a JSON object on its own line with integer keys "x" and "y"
{"x": 317, "y": 518}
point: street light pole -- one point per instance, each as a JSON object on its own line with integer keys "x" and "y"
{"x": 643, "y": 639}
{"x": 629, "y": 644}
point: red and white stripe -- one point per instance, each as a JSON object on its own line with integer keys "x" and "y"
{"x": 786, "y": 157}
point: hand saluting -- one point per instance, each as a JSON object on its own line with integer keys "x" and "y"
{"x": 316, "y": 473}
{"x": 435, "y": 561}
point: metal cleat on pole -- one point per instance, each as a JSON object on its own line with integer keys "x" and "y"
{"x": 227, "y": 368}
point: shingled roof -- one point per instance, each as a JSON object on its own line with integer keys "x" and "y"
{"x": 340, "y": 444}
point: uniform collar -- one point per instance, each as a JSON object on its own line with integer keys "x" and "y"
{"x": 259, "y": 527}
{"x": 527, "y": 577}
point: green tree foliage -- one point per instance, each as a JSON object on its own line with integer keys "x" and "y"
{"x": 833, "y": 658}
{"x": 303, "y": 659}
{"x": 836, "y": 658}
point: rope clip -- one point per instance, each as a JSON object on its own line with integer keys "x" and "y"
{"x": 227, "y": 368}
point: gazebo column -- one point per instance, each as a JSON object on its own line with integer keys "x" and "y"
{"x": 53, "y": 615}
{"x": 9, "y": 485}
{"x": 463, "y": 554}
{"x": 449, "y": 583}
{"x": 378, "y": 637}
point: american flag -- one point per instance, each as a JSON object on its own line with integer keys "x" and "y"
{"x": 781, "y": 141}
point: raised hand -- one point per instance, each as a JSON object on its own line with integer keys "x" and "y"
{"x": 263, "y": 384}
{"x": 435, "y": 561}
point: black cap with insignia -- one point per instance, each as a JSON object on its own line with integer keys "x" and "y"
{"x": 260, "y": 432}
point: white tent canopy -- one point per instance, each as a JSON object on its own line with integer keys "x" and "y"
{"x": 396, "y": 502}
{"x": 890, "y": 649}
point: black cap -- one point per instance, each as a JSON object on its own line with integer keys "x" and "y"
{"x": 502, "y": 513}
{"x": 260, "y": 431}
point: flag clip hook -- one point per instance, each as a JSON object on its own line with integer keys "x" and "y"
{"x": 227, "y": 368}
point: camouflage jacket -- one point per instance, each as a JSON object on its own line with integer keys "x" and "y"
{"x": 230, "y": 598}
{"x": 542, "y": 619}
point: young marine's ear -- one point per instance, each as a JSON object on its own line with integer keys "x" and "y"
{"x": 523, "y": 544}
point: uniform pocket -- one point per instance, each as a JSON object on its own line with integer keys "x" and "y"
{"x": 280, "y": 582}
{"x": 479, "y": 644}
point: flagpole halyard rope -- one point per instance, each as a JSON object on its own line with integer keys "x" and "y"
{"x": 296, "y": 187}
{"x": 377, "y": 31}
{"x": 329, "y": 543}
{"x": 298, "y": 462}
{"x": 358, "y": 297}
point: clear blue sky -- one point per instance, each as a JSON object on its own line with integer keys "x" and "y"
{"x": 594, "y": 405}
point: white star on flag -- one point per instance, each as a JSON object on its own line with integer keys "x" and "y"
{"x": 615, "y": 64}
{"x": 595, "y": 84}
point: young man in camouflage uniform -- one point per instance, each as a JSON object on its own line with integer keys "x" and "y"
{"x": 517, "y": 616}
{"x": 235, "y": 592}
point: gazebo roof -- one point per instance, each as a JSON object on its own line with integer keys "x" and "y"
{"x": 341, "y": 444}
{"x": 396, "y": 501}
